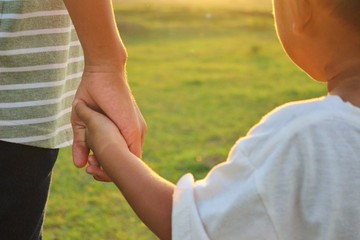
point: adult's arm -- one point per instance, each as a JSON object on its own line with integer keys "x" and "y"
{"x": 104, "y": 86}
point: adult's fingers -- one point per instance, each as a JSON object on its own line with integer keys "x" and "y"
{"x": 80, "y": 150}
{"x": 135, "y": 136}
{"x": 143, "y": 125}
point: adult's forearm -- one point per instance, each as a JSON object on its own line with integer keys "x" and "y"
{"x": 95, "y": 25}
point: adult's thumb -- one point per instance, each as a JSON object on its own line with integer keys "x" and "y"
{"x": 80, "y": 149}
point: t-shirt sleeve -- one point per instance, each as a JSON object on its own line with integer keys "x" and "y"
{"x": 185, "y": 218}
{"x": 225, "y": 205}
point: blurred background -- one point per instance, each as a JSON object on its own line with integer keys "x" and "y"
{"x": 203, "y": 72}
{"x": 234, "y": 3}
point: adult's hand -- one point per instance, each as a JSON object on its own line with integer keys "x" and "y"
{"x": 103, "y": 87}
{"x": 106, "y": 91}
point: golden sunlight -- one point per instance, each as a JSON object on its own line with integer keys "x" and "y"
{"x": 265, "y": 4}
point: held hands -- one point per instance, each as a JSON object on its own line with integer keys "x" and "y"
{"x": 105, "y": 90}
{"x": 103, "y": 86}
{"x": 101, "y": 135}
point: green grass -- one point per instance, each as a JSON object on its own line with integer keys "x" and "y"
{"x": 202, "y": 77}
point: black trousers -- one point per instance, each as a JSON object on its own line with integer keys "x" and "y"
{"x": 25, "y": 175}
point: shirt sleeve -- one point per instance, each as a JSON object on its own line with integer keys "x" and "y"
{"x": 225, "y": 205}
{"x": 186, "y": 221}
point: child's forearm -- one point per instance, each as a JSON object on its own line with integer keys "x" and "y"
{"x": 149, "y": 195}
{"x": 96, "y": 27}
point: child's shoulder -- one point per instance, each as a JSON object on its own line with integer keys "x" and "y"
{"x": 299, "y": 110}
{"x": 300, "y": 120}
{"x": 299, "y": 114}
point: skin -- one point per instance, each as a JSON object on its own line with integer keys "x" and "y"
{"x": 149, "y": 195}
{"x": 104, "y": 86}
{"x": 327, "y": 54}
{"x": 323, "y": 46}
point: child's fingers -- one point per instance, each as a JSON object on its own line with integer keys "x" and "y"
{"x": 84, "y": 112}
{"x": 92, "y": 161}
{"x": 87, "y": 115}
{"x": 98, "y": 173}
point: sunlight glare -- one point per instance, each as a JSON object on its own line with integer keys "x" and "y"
{"x": 251, "y": 4}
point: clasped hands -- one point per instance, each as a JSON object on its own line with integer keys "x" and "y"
{"x": 104, "y": 113}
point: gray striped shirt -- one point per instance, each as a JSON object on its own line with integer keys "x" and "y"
{"x": 41, "y": 64}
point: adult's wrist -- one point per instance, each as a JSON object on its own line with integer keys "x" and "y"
{"x": 106, "y": 59}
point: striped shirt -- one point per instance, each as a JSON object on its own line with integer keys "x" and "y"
{"x": 41, "y": 64}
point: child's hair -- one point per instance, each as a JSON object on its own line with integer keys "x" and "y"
{"x": 347, "y": 10}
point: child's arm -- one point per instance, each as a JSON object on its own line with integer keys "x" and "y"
{"x": 104, "y": 86}
{"x": 148, "y": 194}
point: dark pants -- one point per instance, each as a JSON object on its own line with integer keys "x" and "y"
{"x": 25, "y": 175}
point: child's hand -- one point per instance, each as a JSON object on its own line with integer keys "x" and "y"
{"x": 95, "y": 170}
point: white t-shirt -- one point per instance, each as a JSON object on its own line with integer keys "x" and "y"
{"x": 296, "y": 176}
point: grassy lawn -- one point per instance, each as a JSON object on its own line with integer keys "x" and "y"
{"x": 202, "y": 77}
